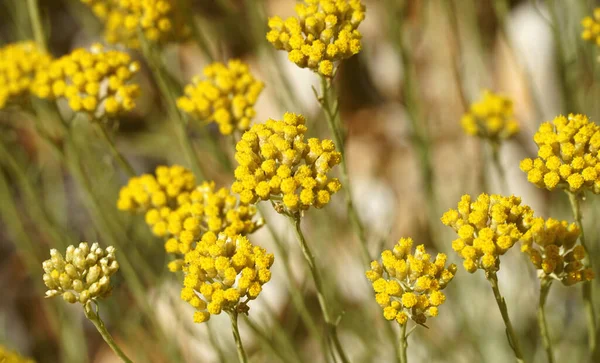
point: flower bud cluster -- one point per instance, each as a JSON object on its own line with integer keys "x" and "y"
{"x": 491, "y": 118}
{"x": 591, "y": 27}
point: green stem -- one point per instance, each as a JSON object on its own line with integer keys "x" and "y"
{"x": 233, "y": 315}
{"x": 310, "y": 260}
{"x": 125, "y": 165}
{"x": 36, "y": 23}
{"x": 499, "y": 168}
{"x": 541, "y": 316}
{"x": 94, "y": 317}
{"x": 510, "y": 333}
{"x": 403, "y": 357}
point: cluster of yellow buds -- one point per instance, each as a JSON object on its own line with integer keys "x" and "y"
{"x": 148, "y": 191}
{"x": 567, "y": 156}
{"x": 226, "y": 96}
{"x": 96, "y": 81}
{"x": 491, "y": 118}
{"x": 19, "y": 63}
{"x": 9, "y": 356}
{"x": 156, "y": 19}
{"x": 408, "y": 285}
{"x": 487, "y": 228}
{"x": 551, "y": 246}
{"x": 223, "y": 273}
{"x": 276, "y": 163}
{"x": 591, "y": 27}
{"x": 83, "y": 274}
{"x": 324, "y": 33}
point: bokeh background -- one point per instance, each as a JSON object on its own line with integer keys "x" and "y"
{"x": 422, "y": 63}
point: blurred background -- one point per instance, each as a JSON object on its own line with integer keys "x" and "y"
{"x": 423, "y": 62}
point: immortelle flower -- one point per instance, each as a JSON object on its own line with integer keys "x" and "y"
{"x": 9, "y": 356}
{"x": 82, "y": 275}
{"x": 19, "y": 63}
{"x": 591, "y": 27}
{"x": 223, "y": 274}
{"x": 491, "y": 118}
{"x": 408, "y": 285}
{"x": 487, "y": 228}
{"x": 226, "y": 96}
{"x": 567, "y": 155}
{"x": 324, "y": 33}
{"x": 276, "y": 163}
{"x": 95, "y": 81}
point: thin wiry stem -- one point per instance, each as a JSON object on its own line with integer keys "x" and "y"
{"x": 541, "y": 316}
{"x": 233, "y": 315}
{"x": 403, "y": 357}
{"x": 94, "y": 317}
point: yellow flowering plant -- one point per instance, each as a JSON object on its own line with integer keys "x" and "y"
{"x": 491, "y": 118}
{"x": 591, "y": 28}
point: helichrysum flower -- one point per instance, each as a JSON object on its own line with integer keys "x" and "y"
{"x": 324, "y": 33}
{"x": 83, "y": 274}
{"x": 225, "y": 96}
{"x": 553, "y": 250}
{"x": 591, "y": 27}
{"x": 408, "y": 285}
{"x": 9, "y": 356}
{"x": 19, "y": 63}
{"x": 491, "y": 118}
{"x": 96, "y": 81}
{"x": 567, "y": 155}
{"x": 276, "y": 163}
{"x": 487, "y": 228}
{"x": 224, "y": 273}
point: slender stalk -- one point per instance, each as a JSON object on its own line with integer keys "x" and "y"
{"x": 94, "y": 317}
{"x": 510, "y": 333}
{"x": 499, "y": 168}
{"x": 588, "y": 297}
{"x": 310, "y": 260}
{"x": 541, "y": 316}
{"x": 36, "y": 23}
{"x": 215, "y": 344}
{"x": 403, "y": 357}
{"x": 125, "y": 165}
{"x": 233, "y": 315}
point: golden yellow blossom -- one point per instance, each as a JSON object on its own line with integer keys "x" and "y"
{"x": 567, "y": 155}
{"x": 276, "y": 163}
{"x": 223, "y": 273}
{"x": 408, "y": 285}
{"x": 225, "y": 96}
{"x": 491, "y": 118}
{"x": 324, "y": 33}
{"x": 591, "y": 27}
{"x": 83, "y": 274}
{"x": 9, "y": 356}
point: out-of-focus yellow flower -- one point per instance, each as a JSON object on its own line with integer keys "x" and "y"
{"x": 83, "y": 274}
{"x": 491, "y": 118}
{"x": 9, "y": 356}
{"x": 276, "y": 163}
{"x": 487, "y": 228}
{"x": 567, "y": 155}
{"x": 551, "y": 246}
{"x": 95, "y": 81}
{"x": 226, "y": 96}
{"x": 409, "y": 285}
{"x": 591, "y": 27}
{"x": 19, "y": 63}
{"x": 324, "y": 33}
{"x": 224, "y": 273}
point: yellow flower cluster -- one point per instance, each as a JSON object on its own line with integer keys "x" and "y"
{"x": 491, "y": 118}
{"x": 567, "y": 156}
{"x": 83, "y": 274}
{"x": 591, "y": 27}
{"x": 19, "y": 63}
{"x": 551, "y": 246}
{"x": 226, "y": 97}
{"x": 408, "y": 285}
{"x": 324, "y": 32}
{"x": 156, "y": 19}
{"x": 96, "y": 81}
{"x": 224, "y": 273}
{"x": 9, "y": 356}
{"x": 487, "y": 228}
{"x": 276, "y": 163}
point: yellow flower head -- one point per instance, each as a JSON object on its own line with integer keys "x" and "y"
{"x": 491, "y": 118}
{"x": 591, "y": 27}
{"x": 567, "y": 155}
{"x": 276, "y": 163}
{"x": 223, "y": 273}
{"x": 95, "y": 81}
{"x": 9, "y": 356}
{"x": 324, "y": 33}
{"x": 19, "y": 63}
{"x": 487, "y": 228}
{"x": 407, "y": 284}
{"x": 225, "y": 96}
{"x": 83, "y": 274}
{"x": 552, "y": 248}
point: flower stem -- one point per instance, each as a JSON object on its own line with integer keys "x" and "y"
{"x": 125, "y": 165}
{"x": 233, "y": 315}
{"x": 36, "y": 23}
{"x": 403, "y": 344}
{"x": 310, "y": 260}
{"x": 510, "y": 333}
{"x": 94, "y": 317}
{"x": 541, "y": 315}
{"x": 499, "y": 168}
